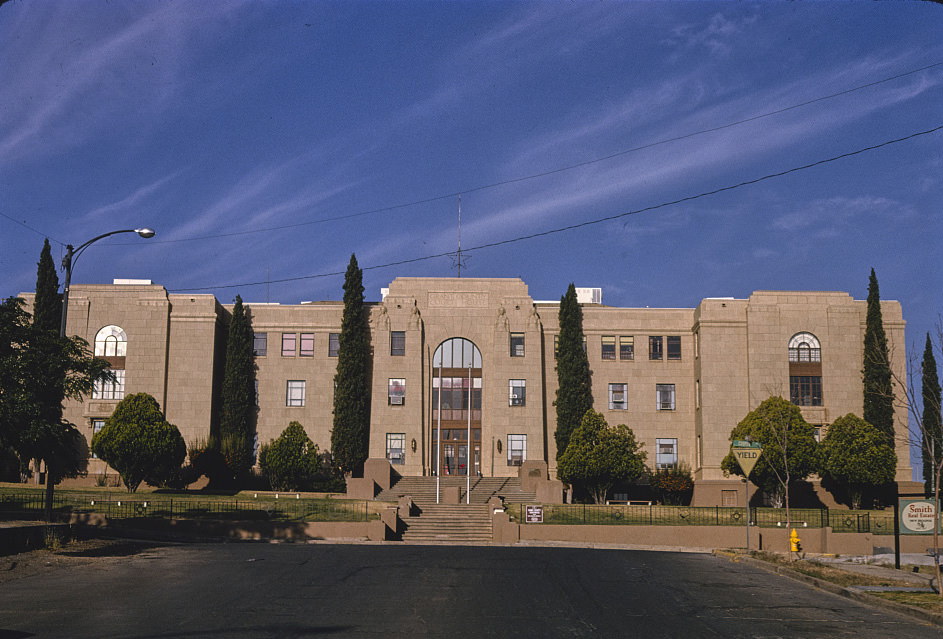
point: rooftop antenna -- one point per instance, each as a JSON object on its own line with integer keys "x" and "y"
{"x": 458, "y": 261}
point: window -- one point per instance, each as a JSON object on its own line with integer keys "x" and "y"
{"x": 517, "y": 392}
{"x": 259, "y": 344}
{"x": 111, "y": 341}
{"x": 654, "y": 347}
{"x": 333, "y": 344}
{"x": 255, "y": 383}
{"x": 626, "y": 347}
{"x": 805, "y": 390}
{"x": 397, "y": 393}
{"x": 398, "y": 343}
{"x": 97, "y": 425}
{"x": 517, "y": 449}
{"x": 674, "y": 347}
{"x": 665, "y": 396}
{"x": 517, "y": 344}
{"x": 617, "y": 393}
{"x": 288, "y": 344}
{"x": 817, "y": 432}
{"x": 396, "y": 448}
{"x": 295, "y": 395}
{"x": 804, "y": 347}
{"x": 666, "y": 453}
{"x": 111, "y": 388}
{"x": 608, "y": 347}
{"x": 307, "y": 345}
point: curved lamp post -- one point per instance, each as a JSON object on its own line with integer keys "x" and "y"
{"x": 72, "y": 255}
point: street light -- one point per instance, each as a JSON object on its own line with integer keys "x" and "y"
{"x": 71, "y": 255}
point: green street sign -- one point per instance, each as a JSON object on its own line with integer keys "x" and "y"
{"x": 747, "y": 454}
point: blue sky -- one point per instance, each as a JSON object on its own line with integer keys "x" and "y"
{"x": 270, "y": 140}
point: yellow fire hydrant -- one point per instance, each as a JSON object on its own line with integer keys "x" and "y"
{"x": 794, "y": 541}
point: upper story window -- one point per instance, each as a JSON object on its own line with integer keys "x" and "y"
{"x": 804, "y": 347}
{"x": 626, "y": 347}
{"x": 295, "y": 392}
{"x": 617, "y": 396}
{"x": 608, "y": 346}
{"x": 517, "y": 392}
{"x": 517, "y": 344}
{"x": 664, "y": 396}
{"x": 674, "y": 346}
{"x": 259, "y": 344}
{"x": 397, "y": 391}
{"x": 307, "y": 345}
{"x": 666, "y": 453}
{"x": 655, "y": 347}
{"x": 111, "y": 341}
{"x": 333, "y": 344}
{"x": 289, "y": 344}
{"x": 398, "y": 343}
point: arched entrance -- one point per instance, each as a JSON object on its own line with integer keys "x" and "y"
{"x": 456, "y": 407}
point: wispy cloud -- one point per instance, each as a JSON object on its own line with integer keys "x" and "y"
{"x": 830, "y": 217}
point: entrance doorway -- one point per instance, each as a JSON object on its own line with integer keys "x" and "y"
{"x": 456, "y": 408}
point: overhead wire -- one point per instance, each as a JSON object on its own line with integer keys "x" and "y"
{"x": 570, "y": 167}
{"x": 586, "y": 223}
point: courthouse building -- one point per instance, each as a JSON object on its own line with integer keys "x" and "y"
{"x": 681, "y": 378}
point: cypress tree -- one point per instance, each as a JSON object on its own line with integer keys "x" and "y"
{"x": 237, "y": 406}
{"x": 932, "y": 421}
{"x": 574, "y": 389}
{"x": 878, "y": 390}
{"x": 47, "y": 306}
{"x": 351, "y": 432}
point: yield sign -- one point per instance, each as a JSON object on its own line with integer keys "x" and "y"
{"x": 747, "y": 454}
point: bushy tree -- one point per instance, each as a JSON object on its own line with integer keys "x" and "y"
{"x": 292, "y": 461}
{"x": 351, "y": 432}
{"x": 856, "y": 458}
{"x": 876, "y": 374}
{"x": 237, "y": 406}
{"x": 790, "y": 451}
{"x": 139, "y": 443}
{"x": 673, "y": 485}
{"x": 598, "y": 456}
{"x": 574, "y": 382}
{"x": 931, "y": 443}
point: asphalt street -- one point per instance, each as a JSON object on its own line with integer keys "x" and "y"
{"x": 322, "y": 590}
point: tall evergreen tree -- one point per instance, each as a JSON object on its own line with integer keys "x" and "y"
{"x": 574, "y": 389}
{"x": 351, "y": 432}
{"x": 237, "y": 408}
{"x": 47, "y": 306}
{"x": 878, "y": 389}
{"x": 932, "y": 421}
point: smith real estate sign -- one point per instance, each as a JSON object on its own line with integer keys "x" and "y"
{"x": 917, "y": 516}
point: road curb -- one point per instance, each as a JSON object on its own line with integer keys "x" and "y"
{"x": 851, "y": 593}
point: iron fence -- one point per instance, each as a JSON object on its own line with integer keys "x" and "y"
{"x": 183, "y": 508}
{"x": 878, "y": 522}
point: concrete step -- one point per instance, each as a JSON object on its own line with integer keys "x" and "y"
{"x": 450, "y": 523}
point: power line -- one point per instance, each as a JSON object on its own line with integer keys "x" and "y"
{"x": 600, "y": 220}
{"x": 556, "y": 171}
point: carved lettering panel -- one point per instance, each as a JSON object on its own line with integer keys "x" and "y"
{"x": 458, "y": 299}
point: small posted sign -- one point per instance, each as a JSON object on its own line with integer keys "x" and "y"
{"x": 747, "y": 454}
{"x": 917, "y": 516}
{"x": 533, "y": 514}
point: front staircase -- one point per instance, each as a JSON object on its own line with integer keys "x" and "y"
{"x": 459, "y": 523}
{"x": 450, "y": 524}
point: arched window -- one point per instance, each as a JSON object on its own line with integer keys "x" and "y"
{"x": 805, "y": 370}
{"x": 804, "y": 347}
{"x": 111, "y": 341}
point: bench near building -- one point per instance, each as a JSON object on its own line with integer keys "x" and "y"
{"x": 680, "y": 378}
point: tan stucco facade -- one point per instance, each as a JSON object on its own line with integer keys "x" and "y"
{"x": 722, "y": 359}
